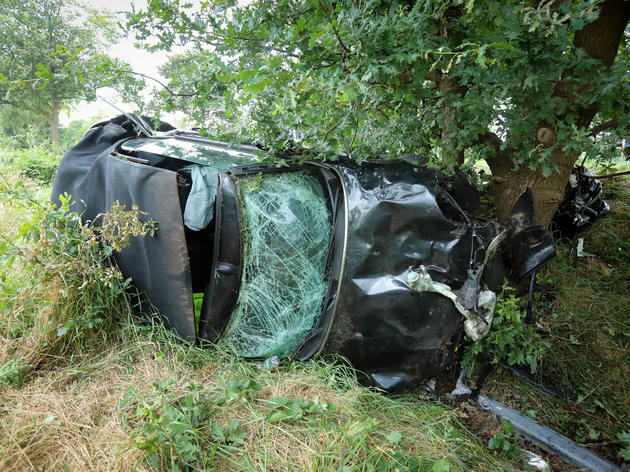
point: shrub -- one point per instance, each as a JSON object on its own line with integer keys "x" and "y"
{"x": 61, "y": 294}
{"x": 38, "y": 162}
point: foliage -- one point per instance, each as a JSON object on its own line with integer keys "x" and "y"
{"x": 25, "y": 128}
{"x": 50, "y": 56}
{"x": 71, "y": 134}
{"x": 504, "y": 441}
{"x": 21, "y": 130}
{"x": 392, "y": 78}
{"x": 38, "y": 162}
{"x": 188, "y": 78}
{"x": 625, "y": 440}
{"x": 60, "y": 294}
{"x": 171, "y": 428}
{"x": 510, "y": 338}
{"x": 196, "y": 427}
{"x": 12, "y": 372}
{"x": 284, "y": 409}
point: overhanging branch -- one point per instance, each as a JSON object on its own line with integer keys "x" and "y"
{"x": 603, "y": 126}
{"x": 159, "y": 82}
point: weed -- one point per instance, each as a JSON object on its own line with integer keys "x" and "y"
{"x": 243, "y": 390}
{"x": 504, "y": 442}
{"x": 285, "y": 409}
{"x": 60, "y": 293}
{"x": 624, "y": 439}
{"x": 510, "y": 338}
{"x": 13, "y": 372}
{"x": 171, "y": 433}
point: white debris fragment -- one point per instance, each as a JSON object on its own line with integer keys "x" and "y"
{"x": 474, "y": 325}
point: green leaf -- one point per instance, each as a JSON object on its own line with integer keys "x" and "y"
{"x": 394, "y": 437}
{"x": 441, "y": 465}
{"x": 218, "y": 432}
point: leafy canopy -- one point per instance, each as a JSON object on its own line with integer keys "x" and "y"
{"x": 377, "y": 77}
{"x": 51, "y": 56}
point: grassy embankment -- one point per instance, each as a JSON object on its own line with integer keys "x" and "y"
{"x": 583, "y": 313}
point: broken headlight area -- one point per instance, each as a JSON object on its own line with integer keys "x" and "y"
{"x": 382, "y": 262}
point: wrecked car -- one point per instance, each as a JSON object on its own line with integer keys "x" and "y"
{"x": 382, "y": 262}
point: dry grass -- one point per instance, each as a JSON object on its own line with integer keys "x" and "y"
{"x": 72, "y": 417}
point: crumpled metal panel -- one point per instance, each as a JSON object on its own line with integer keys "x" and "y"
{"x": 157, "y": 265}
{"x": 582, "y": 204}
{"x": 394, "y": 335}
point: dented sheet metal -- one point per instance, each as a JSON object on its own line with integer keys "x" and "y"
{"x": 582, "y": 205}
{"x": 394, "y": 333}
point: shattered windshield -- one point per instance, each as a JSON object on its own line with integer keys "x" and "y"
{"x": 287, "y": 230}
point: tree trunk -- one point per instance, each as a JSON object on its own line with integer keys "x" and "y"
{"x": 53, "y": 121}
{"x": 451, "y": 157}
{"x": 548, "y": 191}
{"x": 600, "y": 39}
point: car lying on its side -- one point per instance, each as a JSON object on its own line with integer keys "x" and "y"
{"x": 381, "y": 262}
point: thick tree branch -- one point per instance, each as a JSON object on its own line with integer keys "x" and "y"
{"x": 503, "y": 160}
{"x": 604, "y": 126}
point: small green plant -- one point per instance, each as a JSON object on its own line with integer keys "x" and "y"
{"x": 233, "y": 433}
{"x": 624, "y": 438}
{"x": 13, "y": 372}
{"x": 176, "y": 432}
{"x": 504, "y": 442}
{"x": 285, "y": 409}
{"x": 170, "y": 431}
{"x": 243, "y": 390}
{"x": 510, "y": 339}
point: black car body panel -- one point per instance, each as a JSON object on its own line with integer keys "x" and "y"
{"x": 582, "y": 205}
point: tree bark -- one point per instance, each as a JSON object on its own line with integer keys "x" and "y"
{"x": 600, "y": 39}
{"x": 451, "y": 157}
{"x": 53, "y": 121}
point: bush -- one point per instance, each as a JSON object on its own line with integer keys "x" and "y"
{"x": 38, "y": 162}
{"x": 61, "y": 293}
